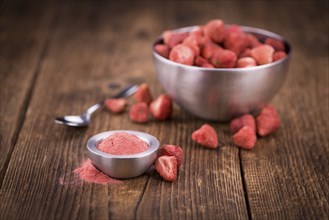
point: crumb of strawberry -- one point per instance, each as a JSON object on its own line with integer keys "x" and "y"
{"x": 115, "y": 105}
{"x": 163, "y": 50}
{"x": 182, "y": 54}
{"x": 245, "y": 120}
{"x": 268, "y": 121}
{"x": 206, "y": 136}
{"x": 245, "y": 138}
{"x": 278, "y": 55}
{"x": 139, "y": 112}
{"x": 166, "y": 166}
{"x": 172, "y": 150}
{"x": 143, "y": 94}
{"x": 162, "y": 107}
{"x": 246, "y": 62}
{"x": 263, "y": 54}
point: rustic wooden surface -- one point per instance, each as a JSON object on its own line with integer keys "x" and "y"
{"x": 58, "y": 58}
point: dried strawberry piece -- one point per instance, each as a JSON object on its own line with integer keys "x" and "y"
{"x": 116, "y": 105}
{"x": 245, "y": 138}
{"x": 268, "y": 121}
{"x": 182, "y": 54}
{"x": 278, "y": 55}
{"x": 246, "y": 62}
{"x": 236, "y": 42}
{"x": 209, "y": 49}
{"x": 192, "y": 42}
{"x": 224, "y": 59}
{"x": 245, "y": 120}
{"x": 143, "y": 94}
{"x": 206, "y": 136}
{"x": 215, "y": 29}
{"x": 263, "y": 54}
{"x": 208, "y": 65}
{"x": 172, "y": 39}
{"x": 161, "y": 108}
{"x": 172, "y": 150}
{"x": 245, "y": 53}
{"x": 163, "y": 50}
{"x": 199, "y": 61}
{"x": 252, "y": 41}
{"x": 139, "y": 112}
{"x": 278, "y": 45}
{"x": 166, "y": 166}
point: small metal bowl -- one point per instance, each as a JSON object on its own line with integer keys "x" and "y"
{"x": 123, "y": 166}
{"x": 221, "y": 94}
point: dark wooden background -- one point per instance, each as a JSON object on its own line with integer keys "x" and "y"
{"x": 59, "y": 58}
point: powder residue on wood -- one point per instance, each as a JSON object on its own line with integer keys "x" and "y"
{"x": 122, "y": 143}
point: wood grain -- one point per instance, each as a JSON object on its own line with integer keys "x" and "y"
{"x": 287, "y": 173}
{"x": 94, "y": 44}
{"x": 74, "y": 73}
{"x": 19, "y": 62}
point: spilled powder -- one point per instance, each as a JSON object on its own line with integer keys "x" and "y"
{"x": 89, "y": 173}
{"x": 121, "y": 143}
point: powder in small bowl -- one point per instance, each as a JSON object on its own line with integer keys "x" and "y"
{"x": 121, "y": 143}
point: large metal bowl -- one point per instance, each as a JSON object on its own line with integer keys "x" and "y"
{"x": 222, "y": 93}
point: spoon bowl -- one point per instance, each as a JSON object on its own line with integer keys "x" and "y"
{"x": 84, "y": 119}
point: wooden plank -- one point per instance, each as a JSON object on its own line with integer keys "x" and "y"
{"x": 24, "y": 31}
{"x": 287, "y": 173}
{"x": 92, "y": 45}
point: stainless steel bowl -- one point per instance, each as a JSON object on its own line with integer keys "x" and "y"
{"x": 123, "y": 166}
{"x": 223, "y": 93}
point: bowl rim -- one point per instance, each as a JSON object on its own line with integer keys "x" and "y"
{"x": 247, "y": 29}
{"x": 150, "y": 140}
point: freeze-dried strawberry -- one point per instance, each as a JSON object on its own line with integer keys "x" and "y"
{"x": 163, "y": 50}
{"x": 206, "y": 136}
{"x": 139, "y": 112}
{"x": 199, "y": 61}
{"x": 246, "y": 62}
{"x": 192, "y": 42}
{"x": 262, "y": 54}
{"x": 245, "y": 138}
{"x": 224, "y": 59}
{"x": 182, "y": 54}
{"x": 233, "y": 28}
{"x": 171, "y": 39}
{"x": 143, "y": 94}
{"x": 215, "y": 29}
{"x": 278, "y": 55}
{"x": 161, "y": 108}
{"x": 208, "y": 65}
{"x": 236, "y": 42}
{"x": 166, "y": 166}
{"x": 245, "y": 120}
{"x": 172, "y": 150}
{"x": 197, "y": 31}
{"x": 268, "y": 121}
{"x": 252, "y": 41}
{"x": 278, "y": 45}
{"x": 116, "y": 105}
{"x": 245, "y": 53}
{"x": 209, "y": 49}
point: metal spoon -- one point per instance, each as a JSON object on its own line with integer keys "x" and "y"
{"x": 84, "y": 118}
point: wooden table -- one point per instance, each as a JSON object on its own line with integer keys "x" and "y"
{"x": 59, "y": 58}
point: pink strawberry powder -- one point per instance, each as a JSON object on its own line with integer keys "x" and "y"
{"x": 121, "y": 143}
{"x": 89, "y": 173}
